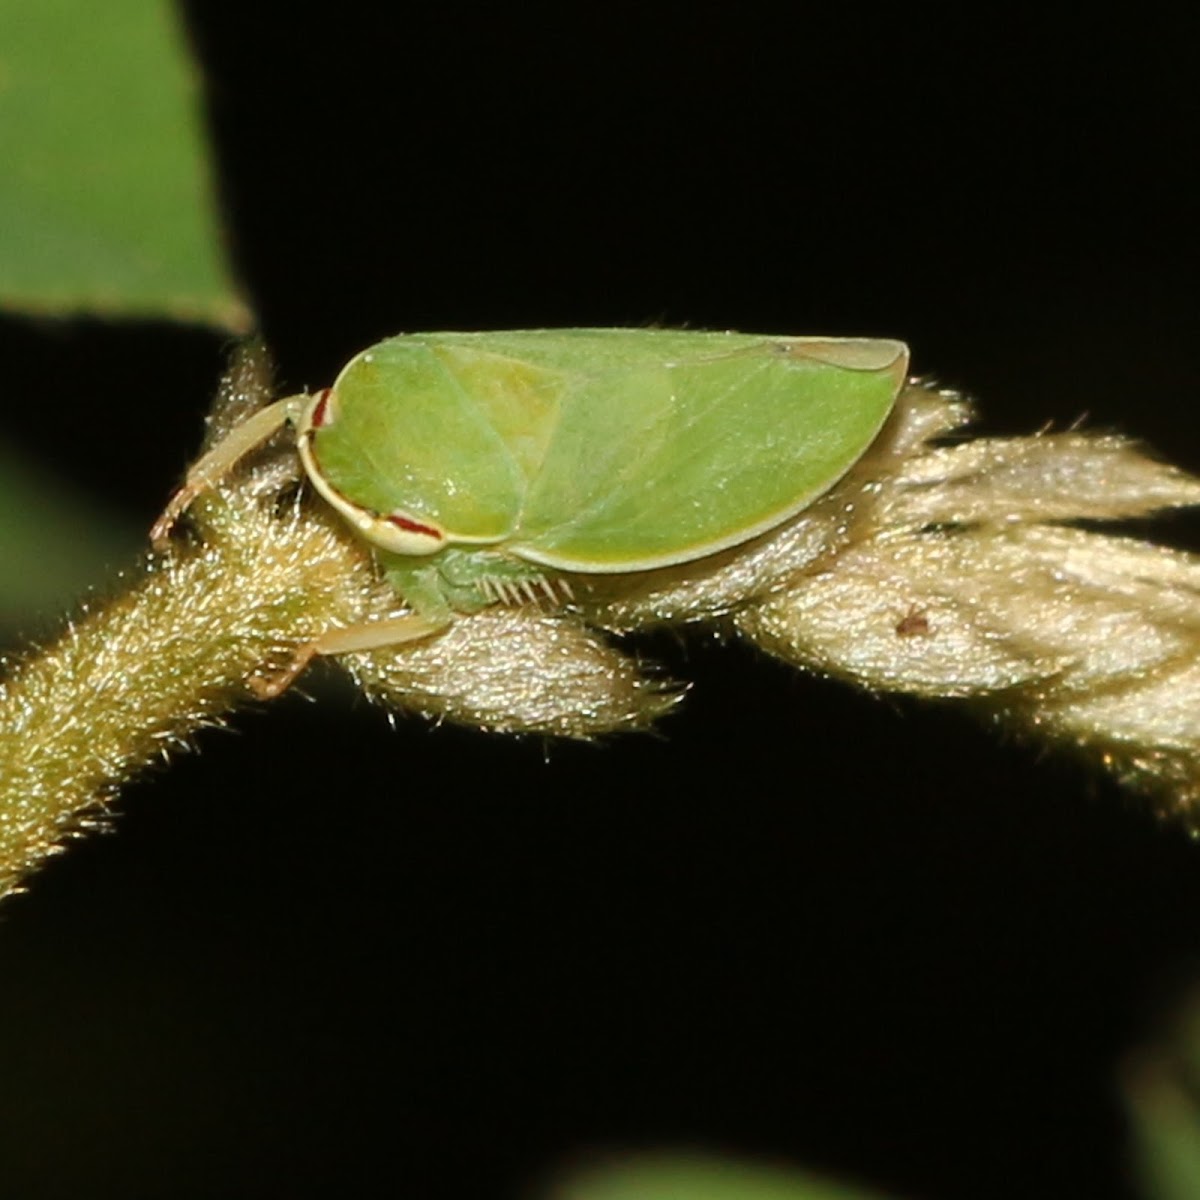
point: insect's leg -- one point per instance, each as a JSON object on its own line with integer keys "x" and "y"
{"x": 369, "y": 635}
{"x": 220, "y": 460}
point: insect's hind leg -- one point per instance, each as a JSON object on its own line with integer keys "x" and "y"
{"x": 212, "y": 467}
{"x": 369, "y": 635}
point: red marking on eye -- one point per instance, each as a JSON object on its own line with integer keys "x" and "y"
{"x": 411, "y": 526}
{"x": 319, "y": 413}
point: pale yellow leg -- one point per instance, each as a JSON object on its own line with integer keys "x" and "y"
{"x": 370, "y": 635}
{"x": 210, "y": 468}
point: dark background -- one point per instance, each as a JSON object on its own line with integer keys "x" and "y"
{"x": 804, "y": 923}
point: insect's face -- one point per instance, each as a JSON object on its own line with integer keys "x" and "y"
{"x": 397, "y": 532}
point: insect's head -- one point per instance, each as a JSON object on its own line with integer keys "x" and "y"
{"x": 398, "y": 532}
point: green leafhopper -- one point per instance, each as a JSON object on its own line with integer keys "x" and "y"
{"x": 490, "y": 467}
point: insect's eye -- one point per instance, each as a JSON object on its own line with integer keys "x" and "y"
{"x": 403, "y": 534}
{"x": 322, "y": 410}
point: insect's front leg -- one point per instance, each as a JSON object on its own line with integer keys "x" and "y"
{"x": 212, "y": 467}
{"x": 368, "y": 635}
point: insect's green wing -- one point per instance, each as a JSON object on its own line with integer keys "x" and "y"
{"x": 603, "y": 449}
{"x": 702, "y": 444}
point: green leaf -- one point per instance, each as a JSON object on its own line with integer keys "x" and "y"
{"x": 106, "y": 200}
{"x": 699, "y": 1177}
{"x": 1162, "y": 1085}
{"x": 53, "y": 544}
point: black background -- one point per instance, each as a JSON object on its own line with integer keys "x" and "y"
{"x": 856, "y": 933}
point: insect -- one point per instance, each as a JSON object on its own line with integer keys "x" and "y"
{"x": 487, "y": 468}
{"x": 914, "y": 623}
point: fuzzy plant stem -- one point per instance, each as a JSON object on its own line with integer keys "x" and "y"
{"x": 135, "y": 677}
{"x": 940, "y": 567}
